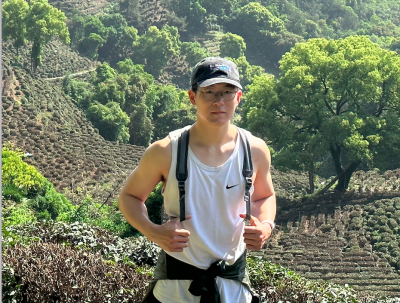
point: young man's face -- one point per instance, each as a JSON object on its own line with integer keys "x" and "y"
{"x": 216, "y": 103}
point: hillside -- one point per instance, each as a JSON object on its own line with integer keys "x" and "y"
{"x": 40, "y": 120}
{"x": 351, "y": 238}
{"x": 346, "y": 239}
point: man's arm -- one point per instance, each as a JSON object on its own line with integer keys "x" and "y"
{"x": 263, "y": 201}
{"x": 151, "y": 169}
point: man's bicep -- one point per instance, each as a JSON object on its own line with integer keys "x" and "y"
{"x": 263, "y": 187}
{"x": 145, "y": 176}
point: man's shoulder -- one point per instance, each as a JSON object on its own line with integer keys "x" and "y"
{"x": 159, "y": 147}
{"x": 259, "y": 149}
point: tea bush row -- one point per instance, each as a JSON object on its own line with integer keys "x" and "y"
{"x": 47, "y": 272}
{"x": 92, "y": 238}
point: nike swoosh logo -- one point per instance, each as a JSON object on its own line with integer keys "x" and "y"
{"x": 229, "y": 187}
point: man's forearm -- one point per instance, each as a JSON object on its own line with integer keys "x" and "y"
{"x": 135, "y": 212}
{"x": 264, "y": 209}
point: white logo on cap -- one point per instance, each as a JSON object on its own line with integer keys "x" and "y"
{"x": 218, "y": 67}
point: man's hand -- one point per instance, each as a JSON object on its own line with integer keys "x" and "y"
{"x": 171, "y": 236}
{"x": 256, "y": 233}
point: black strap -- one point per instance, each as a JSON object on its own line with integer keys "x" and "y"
{"x": 247, "y": 171}
{"x": 181, "y": 170}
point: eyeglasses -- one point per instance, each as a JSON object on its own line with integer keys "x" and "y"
{"x": 227, "y": 95}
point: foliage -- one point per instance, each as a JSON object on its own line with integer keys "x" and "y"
{"x": 77, "y": 90}
{"x": 90, "y": 45}
{"x": 193, "y": 52}
{"x": 43, "y": 22}
{"x": 171, "y": 120}
{"x": 154, "y": 204}
{"x": 232, "y": 46}
{"x": 18, "y": 213}
{"x": 92, "y": 238}
{"x": 140, "y": 127}
{"x": 155, "y": 47}
{"x": 247, "y": 72}
{"x": 21, "y": 178}
{"x": 13, "y": 19}
{"x": 111, "y": 121}
{"x": 71, "y": 277}
{"x": 338, "y": 97}
{"x": 278, "y": 284}
{"x": 50, "y": 205}
{"x": 161, "y": 98}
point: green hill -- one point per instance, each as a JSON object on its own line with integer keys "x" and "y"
{"x": 351, "y": 238}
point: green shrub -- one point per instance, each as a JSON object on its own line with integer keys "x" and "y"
{"x": 76, "y": 276}
{"x": 51, "y": 205}
{"x": 275, "y": 283}
{"x": 18, "y": 213}
{"x": 154, "y": 204}
{"x": 18, "y": 174}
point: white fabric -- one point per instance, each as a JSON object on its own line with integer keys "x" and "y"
{"x": 216, "y": 230}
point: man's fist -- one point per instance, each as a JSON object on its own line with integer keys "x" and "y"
{"x": 171, "y": 236}
{"x": 256, "y": 233}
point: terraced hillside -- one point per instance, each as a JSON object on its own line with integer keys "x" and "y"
{"x": 153, "y": 12}
{"x": 41, "y": 120}
{"x": 87, "y": 7}
{"x": 57, "y": 60}
{"x": 38, "y": 118}
{"x": 356, "y": 244}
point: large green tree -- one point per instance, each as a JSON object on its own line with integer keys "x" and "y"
{"x": 232, "y": 45}
{"x": 340, "y": 97}
{"x": 44, "y": 22}
{"x": 110, "y": 120}
{"x": 155, "y": 48}
{"x": 14, "y": 13}
{"x": 193, "y": 52}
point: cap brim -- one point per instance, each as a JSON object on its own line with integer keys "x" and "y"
{"x": 212, "y": 81}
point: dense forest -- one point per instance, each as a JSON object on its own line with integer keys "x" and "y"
{"x": 88, "y": 85}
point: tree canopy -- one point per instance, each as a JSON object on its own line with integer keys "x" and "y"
{"x": 232, "y": 46}
{"x": 14, "y": 13}
{"x": 334, "y": 96}
{"x": 44, "y": 22}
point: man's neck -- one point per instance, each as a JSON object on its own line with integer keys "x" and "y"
{"x": 206, "y": 134}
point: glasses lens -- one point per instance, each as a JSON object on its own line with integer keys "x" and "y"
{"x": 210, "y": 96}
{"x": 229, "y": 95}
{"x": 226, "y": 95}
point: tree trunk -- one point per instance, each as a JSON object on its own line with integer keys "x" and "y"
{"x": 311, "y": 181}
{"x": 336, "y": 156}
{"x": 344, "y": 179}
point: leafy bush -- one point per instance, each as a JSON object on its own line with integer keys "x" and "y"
{"x": 22, "y": 177}
{"x": 46, "y": 272}
{"x": 97, "y": 240}
{"x": 51, "y": 205}
{"x": 18, "y": 213}
{"x": 154, "y": 204}
{"x": 276, "y": 284}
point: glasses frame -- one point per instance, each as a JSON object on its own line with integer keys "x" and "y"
{"x": 216, "y": 95}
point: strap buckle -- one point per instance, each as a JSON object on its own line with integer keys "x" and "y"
{"x": 249, "y": 182}
{"x": 181, "y": 185}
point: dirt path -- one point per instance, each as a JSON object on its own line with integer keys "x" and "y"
{"x": 72, "y": 75}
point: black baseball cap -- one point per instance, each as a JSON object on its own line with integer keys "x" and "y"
{"x": 212, "y": 70}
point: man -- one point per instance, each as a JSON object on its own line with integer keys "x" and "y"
{"x": 203, "y": 257}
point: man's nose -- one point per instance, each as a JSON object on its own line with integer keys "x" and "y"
{"x": 219, "y": 98}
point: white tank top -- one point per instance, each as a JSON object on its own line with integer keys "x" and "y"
{"x": 214, "y": 197}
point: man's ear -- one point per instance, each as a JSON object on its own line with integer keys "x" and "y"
{"x": 239, "y": 96}
{"x": 192, "y": 94}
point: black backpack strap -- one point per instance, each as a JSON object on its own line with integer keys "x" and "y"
{"x": 247, "y": 171}
{"x": 181, "y": 170}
